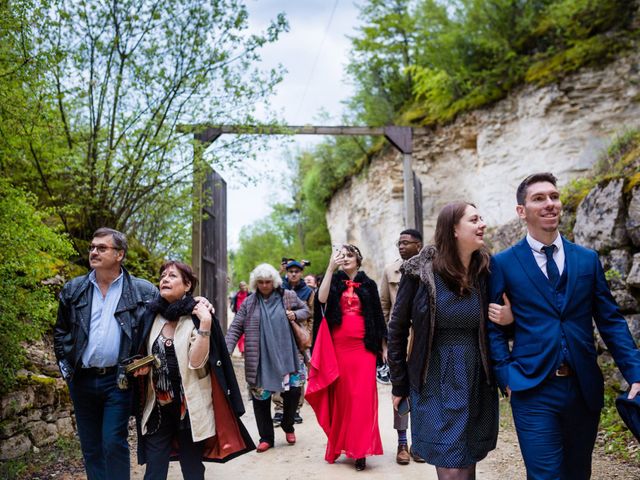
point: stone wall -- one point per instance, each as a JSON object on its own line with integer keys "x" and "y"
{"x": 483, "y": 155}
{"x": 38, "y": 412}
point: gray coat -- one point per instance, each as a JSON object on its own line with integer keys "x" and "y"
{"x": 247, "y": 321}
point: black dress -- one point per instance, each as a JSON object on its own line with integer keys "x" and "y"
{"x": 454, "y": 418}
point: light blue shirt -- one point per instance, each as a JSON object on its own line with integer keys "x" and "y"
{"x": 104, "y": 331}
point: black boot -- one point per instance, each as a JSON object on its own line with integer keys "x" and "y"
{"x": 361, "y": 463}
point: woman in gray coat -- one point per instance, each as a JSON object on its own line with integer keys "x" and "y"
{"x": 273, "y": 362}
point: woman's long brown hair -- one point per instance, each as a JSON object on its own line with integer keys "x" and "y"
{"x": 447, "y": 261}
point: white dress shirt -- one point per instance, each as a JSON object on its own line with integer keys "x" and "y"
{"x": 541, "y": 257}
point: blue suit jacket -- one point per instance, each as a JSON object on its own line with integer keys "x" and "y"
{"x": 539, "y": 322}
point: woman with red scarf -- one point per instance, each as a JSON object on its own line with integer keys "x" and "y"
{"x": 342, "y": 384}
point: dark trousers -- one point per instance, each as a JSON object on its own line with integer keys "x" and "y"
{"x": 262, "y": 411}
{"x": 102, "y": 416}
{"x": 157, "y": 447}
{"x": 555, "y": 429}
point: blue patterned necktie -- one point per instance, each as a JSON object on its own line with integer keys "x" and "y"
{"x": 552, "y": 267}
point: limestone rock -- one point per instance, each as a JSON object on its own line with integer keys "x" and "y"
{"x": 634, "y": 326}
{"x": 65, "y": 426}
{"x": 506, "y": 235}
{"x": 600, "y": 218}
{"x": 633, "y": 217}
{"x": 11, "y": 427}
{"x": 44, "y": 390}
{"x": 42, "y": 433}
{"x": 633, "y": 279}
{"x": 625, "y": 300}
{"x": 483, "y": 155}
{"x": 14, "y": 447}
{"x": 620, "y": 261}
{"x": 16, "y": 402}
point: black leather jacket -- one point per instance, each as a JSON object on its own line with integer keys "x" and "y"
{"x": 71, "y": 331}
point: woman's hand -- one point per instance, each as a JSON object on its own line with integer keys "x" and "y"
{"x": 142, "y": 371}
{"x": 501, "y": 314}
{"x": 335, "y": 260}
{"x": 206, "y": 303}
{"x": 385, "y": 350}
{"x": 291, "y": 315}
{"x": 201, "y": 310}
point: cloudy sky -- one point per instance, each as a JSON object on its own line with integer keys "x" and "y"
{"x": 314, "y": 52}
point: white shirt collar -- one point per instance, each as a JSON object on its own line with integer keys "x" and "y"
{"x": 536, "y": 246}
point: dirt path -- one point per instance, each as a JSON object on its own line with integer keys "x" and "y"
{"x": 305, "y": 459}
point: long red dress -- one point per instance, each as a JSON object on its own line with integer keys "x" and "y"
{"x": 353, "y": 411}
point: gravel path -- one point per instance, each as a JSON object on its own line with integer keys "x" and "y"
{"x": 305, "y": 460}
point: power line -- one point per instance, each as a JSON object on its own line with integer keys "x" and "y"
{"x": 315, "y": 62}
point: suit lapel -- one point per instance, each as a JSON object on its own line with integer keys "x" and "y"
{"x": 571, "y": 259}
{"x": 528, "y": 263}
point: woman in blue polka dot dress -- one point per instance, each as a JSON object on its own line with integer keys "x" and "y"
{"x": 446, "y": 375}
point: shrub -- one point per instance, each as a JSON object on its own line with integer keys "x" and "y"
{"x": 30, "y": 252}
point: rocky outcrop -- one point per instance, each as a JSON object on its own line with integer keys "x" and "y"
{"x": 483, "y": 155}
{"x": 600, "y": 219}
{"x": 39, "y": 411}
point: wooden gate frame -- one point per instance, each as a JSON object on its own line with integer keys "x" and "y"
{"x": 400, "y": 137}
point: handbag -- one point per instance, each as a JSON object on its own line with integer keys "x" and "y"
{"x": 301, "y": 334}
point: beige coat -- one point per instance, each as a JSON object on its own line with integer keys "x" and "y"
{"x": 196, "y": 381}
{"x": 389, "y": 287}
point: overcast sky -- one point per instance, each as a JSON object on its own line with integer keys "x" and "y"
{"x": 314, "y": 52}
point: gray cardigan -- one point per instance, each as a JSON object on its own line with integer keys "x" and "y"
{"x": 247, "y": 321}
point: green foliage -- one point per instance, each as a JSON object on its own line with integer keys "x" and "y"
{"x": 92, "y": 95}
{"x": 428, "y": 60}
{"x": 380, "y": 56}
{"x": 294, "y": 230}
{"x": 30, "y": 253}
{"x": 617, "y": 438}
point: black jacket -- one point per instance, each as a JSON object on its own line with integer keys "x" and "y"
{"x": 375, "y": 328}
{"x": 71, "y": 331}
{"x": 415, "y": 308}
{"x": 227, "y": 399}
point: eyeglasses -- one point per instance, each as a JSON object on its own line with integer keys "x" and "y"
{"x": 100, "y": 248}
{"x": 405, "y": 243}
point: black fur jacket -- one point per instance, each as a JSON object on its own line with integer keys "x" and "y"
{"x": 375, "y": 328}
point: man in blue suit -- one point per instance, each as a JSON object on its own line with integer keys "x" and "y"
{"x": 556, "y": 289}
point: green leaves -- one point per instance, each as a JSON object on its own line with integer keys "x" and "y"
{"x": 31, "y": 253}
{"x": 96, "y": 126}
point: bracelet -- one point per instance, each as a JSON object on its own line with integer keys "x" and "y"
{"x": 203, "y": 333}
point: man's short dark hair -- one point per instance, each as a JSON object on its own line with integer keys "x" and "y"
{"x": 119, "y": 238}
{"x": 414, "y": 233}
{"x": 521, "y": 192}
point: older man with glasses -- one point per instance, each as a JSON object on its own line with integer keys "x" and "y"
{"x": 409, "y": 244}
{"x": 98, "y": 326}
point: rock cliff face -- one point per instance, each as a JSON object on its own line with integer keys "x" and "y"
{"x": 483, "y": 156}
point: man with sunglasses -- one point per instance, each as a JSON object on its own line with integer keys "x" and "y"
{"x": 409, "y": 244}
{"x": 98, "y": 326}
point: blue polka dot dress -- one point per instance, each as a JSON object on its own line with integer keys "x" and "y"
{"x": 454, "y": 418}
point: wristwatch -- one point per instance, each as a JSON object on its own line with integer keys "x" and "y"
{"x": 204, "y": 333}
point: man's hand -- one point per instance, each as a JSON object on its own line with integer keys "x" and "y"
{"x": 501, "y": 314}
{"x": 291, "y": 315}
{"x": 396, "y": 401}
{"x": 634, "y": 390}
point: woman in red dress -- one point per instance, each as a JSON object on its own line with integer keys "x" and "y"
{"x": 346, "y": 404}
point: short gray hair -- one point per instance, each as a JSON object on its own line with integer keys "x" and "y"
{"x": 119, "y": 238}
{"x": 264, "y": 271}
